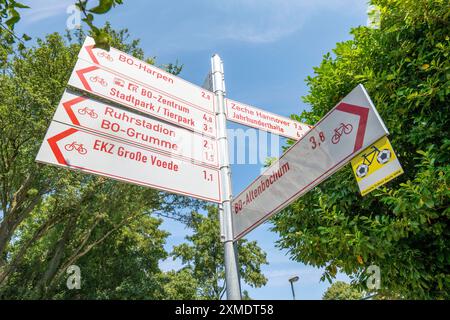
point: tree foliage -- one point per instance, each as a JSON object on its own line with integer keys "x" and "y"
{"x": 9, "y": 16}
{"x": 341, "y": 290}
{"x": 403, "y": 226}
{"x": 102, "y": 38}
{"x": 52, "y": 218}
{"x": 203, "y": 258}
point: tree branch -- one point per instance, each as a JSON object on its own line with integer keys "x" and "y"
{"x": 77, "y": 255}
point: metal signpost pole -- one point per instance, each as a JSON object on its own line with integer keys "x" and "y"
{"x": 293, "y": 292}
{"x": 231, "y": 263}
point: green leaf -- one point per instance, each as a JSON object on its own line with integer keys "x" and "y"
{"x": 102, "y": 40}
{"x": 26, "y": 37}
{"x": 12, "y": 21}
{"x": 103, "y": 7}
{"x": 21, "y": 5}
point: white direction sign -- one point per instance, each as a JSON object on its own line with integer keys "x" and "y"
{"x": 347, "y": 129}
{"x": 69, "y": 147}
{"x": 263, "y": 120}
{"x": 86, "y": 113}
{"x": 148, "y": 74}
{"x": 136, "y": 95}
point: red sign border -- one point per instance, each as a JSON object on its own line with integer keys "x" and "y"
{"x": 75, "y": 122}
{"x": 52, "y": 141}
{"x": 87, "y": 88}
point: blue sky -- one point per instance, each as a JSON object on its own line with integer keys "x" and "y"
{"x": 268, "y": 46}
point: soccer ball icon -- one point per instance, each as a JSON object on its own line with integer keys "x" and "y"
{"x": 362, "y": 170}
{"x": 384, "y": 156}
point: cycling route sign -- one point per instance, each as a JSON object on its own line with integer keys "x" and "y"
{"x": 351, "y": 126}
{"x": 119, "y": 123}
{"x": 140, "y": 71}
{"x": 94, "y": 153}
{"x": 143, "y": 126}
{"x": 138, "y": 96}
{"x": 375, "y": 166}
{"x": 264, "y": 120}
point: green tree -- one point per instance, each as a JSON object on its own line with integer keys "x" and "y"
{"x": 341, "y": 290}
{"x": 51, "y": 218}
{"x": 403, "y": 226}
{"x": 203, "y": 258}
{"x": 179, "y": 285}
{"x": 103, "y": 227}
{"x": 31, "y": 84}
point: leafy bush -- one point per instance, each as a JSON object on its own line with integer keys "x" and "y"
{"x": 401, "y": 227}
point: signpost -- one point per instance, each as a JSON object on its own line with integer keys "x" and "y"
{"x": 160, "y": 131}
{"x": 138, "y": 96}
{"x": 226, "y": 220}
{"x": 73, "y": 148}
{"x": 263, "y": 120}
{"x": 148, "y": 133}
{"x": 347, "y": 129}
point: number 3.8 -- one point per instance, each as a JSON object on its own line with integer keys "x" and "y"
{"x": 313, "y": 141}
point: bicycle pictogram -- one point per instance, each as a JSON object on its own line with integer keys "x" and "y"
{"x": 89, "y": 112}
{"x": 99, "y": 80}
{"x": 76, "y": 146}
{"x": 342, "y": 129}
{"x": 105, "y": 55}
{"x": 382, "y": 156}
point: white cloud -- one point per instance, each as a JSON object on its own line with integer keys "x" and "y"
{"x": 264, "y": 21}
{"x": 44, "y": 9}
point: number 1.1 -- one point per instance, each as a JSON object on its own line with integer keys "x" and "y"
{"x": 207, "y": 176}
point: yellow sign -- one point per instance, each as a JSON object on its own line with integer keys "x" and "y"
{"x": 375, "y": 166}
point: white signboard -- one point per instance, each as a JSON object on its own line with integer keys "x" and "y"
{"x": 346, "y": 130}
{"x": 86, "y": 113}
{"x": 136, "y": 95}
{"x": 92, "y": 153}
{"x": 263, "y": 120}
{"x": 148, "y": 74}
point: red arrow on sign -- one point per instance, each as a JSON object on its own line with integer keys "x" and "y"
{"x": 91, "y": 54}
{"x": 363, "y": 114}
{"x": 54, "y": 146}
{"x": 81, "y": 74}
{"x": 68, "y": 107}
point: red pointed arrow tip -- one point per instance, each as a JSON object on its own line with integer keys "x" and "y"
{"x": 54, "y": 146}
{"x": 81, "y": 74}
{"x": 68, "y": 107}
{"x": 363, "y": 113}
{"x": 91, "y": 54}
